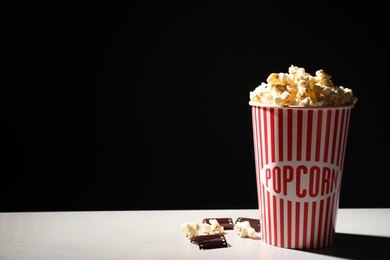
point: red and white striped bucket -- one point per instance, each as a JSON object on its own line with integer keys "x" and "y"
{"x": 299, "y": 155}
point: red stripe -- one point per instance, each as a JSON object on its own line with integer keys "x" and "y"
{"x": 345, "y": 138}
{"x": 327, "y": 133}
{"x": 275, "y": 220}
{"x": 264, "y": 231}
{"x": 299, "y": 136}
{"x": 326, "y": 220}
{"x": 281, "y": 201}
{"x": 305, "y": 223}
{"x": 255, "y": 135}
{"x": 331, "y": 225}
{"x": 297, "y": 205}
{"x": 272, "y": 118}
{"x": 289, "y": 223}
{"x": 342, "y": 127}
{"x": 265, "y": 129}
{"x": 309, "y": 134}
{"x": 313, "y": 223}
{"x": 320, "y": 223}
{"x": 336, "y": 205}
{"x": 318, "y": 136}
{"x": 289, "y": 135}
{"x": 259, "y": 144}
{"x": 335, "y": 135}
{"x": 261, "y": 138}
{"x": 269, "y": 218}
{"x": 256, "y": 145}
{"x": 280, "y": 131}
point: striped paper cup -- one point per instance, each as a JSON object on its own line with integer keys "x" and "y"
{"x": 299, "y": 156}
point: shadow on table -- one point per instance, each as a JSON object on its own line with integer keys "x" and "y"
{"x": 354, "y": 246}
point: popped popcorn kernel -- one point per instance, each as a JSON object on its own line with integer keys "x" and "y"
{"x": 213, "y": 228}
{"x": 299, "y": 88}
{"x": 245, "y": 230}
{"x": 191, "y": 229}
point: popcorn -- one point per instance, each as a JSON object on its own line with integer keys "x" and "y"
{"x": 245, "y": 230}
{"x": 299, "y": 88}
{"x": 213, "y": 228}
{"x": 191, "y": 229}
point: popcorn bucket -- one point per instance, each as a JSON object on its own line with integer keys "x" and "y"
{"x": 299, "y": 156}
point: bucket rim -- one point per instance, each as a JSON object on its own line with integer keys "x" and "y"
{"x": 254, "y": 104}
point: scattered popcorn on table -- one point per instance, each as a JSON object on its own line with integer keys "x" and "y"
{"x": 190, "y": 228}
{"x": 245, "y": 230}
{"x": 213, "y": 228}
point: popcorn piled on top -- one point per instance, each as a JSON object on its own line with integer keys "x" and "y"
{"x": 299, "y": 88}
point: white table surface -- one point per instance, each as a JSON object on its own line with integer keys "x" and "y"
{"x": 360, "y": 234}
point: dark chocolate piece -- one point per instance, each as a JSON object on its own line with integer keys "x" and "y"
{"x": 210, "y": 241}
{"x": 255, "y": 223}
{"x": 226, "y": 223}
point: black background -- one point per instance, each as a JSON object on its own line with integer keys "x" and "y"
{"x": 145, "y": 106}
